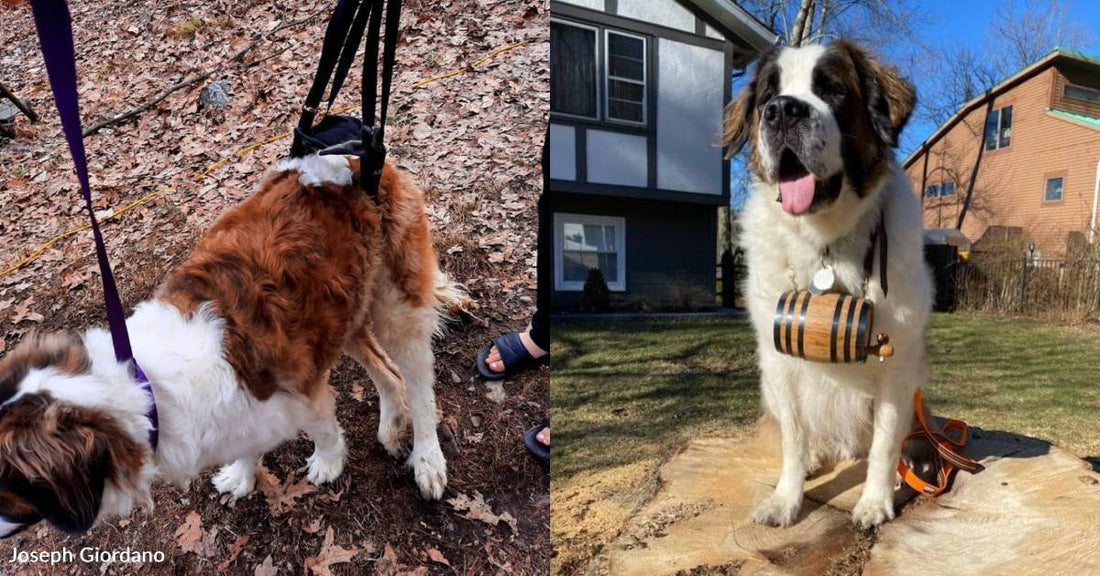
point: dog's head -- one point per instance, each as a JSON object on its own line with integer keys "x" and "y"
{"x": 822, "y": 122}
{"x": 58, "y": 458}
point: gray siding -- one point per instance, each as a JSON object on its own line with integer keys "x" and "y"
{"x": 690, "y": 99}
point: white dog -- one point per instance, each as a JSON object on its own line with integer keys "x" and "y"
{"x": 823, "y": 122}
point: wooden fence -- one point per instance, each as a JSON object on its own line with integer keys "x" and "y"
{"x": 1047, "y": 287}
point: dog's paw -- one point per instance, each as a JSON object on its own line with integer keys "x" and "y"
{"x": 395, "y": 435}
{"x": 324, "y": 468}
{"x": 430, "y": 470}
{"x": 776, "y": 510}
{"x": 872, "y": 510}
{"x": 235, "y": 479}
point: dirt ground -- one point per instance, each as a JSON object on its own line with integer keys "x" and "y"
{"x": 472, "y": 141}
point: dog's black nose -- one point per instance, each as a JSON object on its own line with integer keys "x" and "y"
{"x": 784, "y": 110}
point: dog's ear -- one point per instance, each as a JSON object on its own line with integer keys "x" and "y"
{"x": 57, "y": 458}
{"x": 889, "y": 97}
{"x": 737, "y": 123}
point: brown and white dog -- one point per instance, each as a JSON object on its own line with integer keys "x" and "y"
{"x": 237, "y": 344}
{"x": 823, "y": 122}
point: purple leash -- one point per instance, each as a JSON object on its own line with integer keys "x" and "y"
{"x": 55, "y": 35}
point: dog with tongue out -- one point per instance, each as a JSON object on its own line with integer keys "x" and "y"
{"x": 822, "y": 122}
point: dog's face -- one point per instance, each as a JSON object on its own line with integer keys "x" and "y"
{"x": 57, "y": 458}
{"x": 821, "y": 121}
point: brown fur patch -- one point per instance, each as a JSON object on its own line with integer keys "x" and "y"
{"x": 292, "y": 270}
{"x": 60, "y": 350}
{"x": 69, "y": 450}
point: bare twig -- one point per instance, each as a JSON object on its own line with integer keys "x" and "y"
{"x": 237, "y": 58}
{"x": 21, "y": 105}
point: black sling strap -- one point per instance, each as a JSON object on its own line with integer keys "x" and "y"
{"x": 371, "y": 170}
{"x": 342, "y": 38}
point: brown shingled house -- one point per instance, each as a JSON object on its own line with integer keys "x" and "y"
{"x": 1035, "y": 142}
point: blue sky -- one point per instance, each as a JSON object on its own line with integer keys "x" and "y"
{"x": 953, "y": 21}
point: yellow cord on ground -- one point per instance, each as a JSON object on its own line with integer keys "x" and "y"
{"x": 239, "y": 154}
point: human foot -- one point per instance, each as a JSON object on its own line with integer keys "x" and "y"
{"x": 494, "y": 362}
{"x": 537, "y": 440}
{"x": 508, "y": 355}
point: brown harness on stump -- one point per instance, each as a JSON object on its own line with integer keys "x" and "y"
{"x": 948, "y": 450}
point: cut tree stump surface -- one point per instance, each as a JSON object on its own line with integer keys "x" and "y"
{"x": 1035, "y": 509}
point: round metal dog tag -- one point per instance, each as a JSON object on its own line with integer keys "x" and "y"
{"x": 823, "y": 281}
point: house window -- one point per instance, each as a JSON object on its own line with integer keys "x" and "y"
{"x": 585, "y": 242}
{"x": 573, "y": 82}
{"x": 998, "y": 128}
{"x": 932, "y": 191}
{"x": 947, "y": 189}
{"x": 626, "y": 78}
{"x": 1054, "y": 189}
{"x": 1082, "y": 93}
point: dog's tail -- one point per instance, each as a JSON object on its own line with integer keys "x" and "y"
{"x": 451, "y": 299}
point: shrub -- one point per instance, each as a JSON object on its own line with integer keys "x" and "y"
{"x": 685, "y": 295}
{"x": 596, "y": 294}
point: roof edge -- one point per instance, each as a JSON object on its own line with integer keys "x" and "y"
{"x": 998, "y": 89}
{"x": 739, "y": 21}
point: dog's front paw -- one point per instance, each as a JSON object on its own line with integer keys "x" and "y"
{"x": 324, "y": 468}
{"x": 430, "y": 470}
{"x": 872, "y": 510}
{"x": 777, "y": 510}
{"x": 236, "y": 479}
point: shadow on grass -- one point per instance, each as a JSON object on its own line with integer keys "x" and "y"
{"x": 627, "y": 391}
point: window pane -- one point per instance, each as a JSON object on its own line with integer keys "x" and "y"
{"x": 626, "y": 47}
{"x": 572, "y": 70}
{"x": 609, "y": 265}
{"x": 623, "y": 67}
{"x": 991, "y": 129}
{"x": 948, "y": 189}
{"x": 932, "y": 191}
{"x": 628, "y": 91}
{"x": 628, "y": 111}
{"x": 626, "y": 57}
{"x": 575, "y": 265}
{"x": 1006, "y": 126}
{"x": 574, "y": 236}
{"x": 1082, "y": 93}
{"x": 609, "y": 238}
{"x": 1054, "y": 189}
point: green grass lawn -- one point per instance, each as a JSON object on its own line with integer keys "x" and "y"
{"x": 626, "y": 395}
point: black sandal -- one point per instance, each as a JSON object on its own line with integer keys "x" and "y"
{"x": 540, "y": 450}
{"x": 513, "y": 354}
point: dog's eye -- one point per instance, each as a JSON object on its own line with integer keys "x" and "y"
{"x": 828, "y": 88}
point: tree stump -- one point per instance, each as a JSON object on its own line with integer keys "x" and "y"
{"x": 1034, "y": 509}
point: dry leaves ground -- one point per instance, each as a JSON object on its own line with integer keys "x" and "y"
{"x": 473, "y": 142}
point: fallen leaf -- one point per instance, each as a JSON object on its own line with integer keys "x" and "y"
{"x": 189, "y": 536}
{"x": 437, "y": 557}
{"x": 281, "y": 496}
{"x": 357, "y": 392}
{"x": 267, "y": 568}
{"x": 330, "y": 555}
{"x": 234, "y": 551}
{"x": 476, "y": 509}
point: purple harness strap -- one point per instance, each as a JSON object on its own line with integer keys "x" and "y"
{"x": 55, "y": 34}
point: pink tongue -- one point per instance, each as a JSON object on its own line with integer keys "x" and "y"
{"x": 797, "y": 194}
